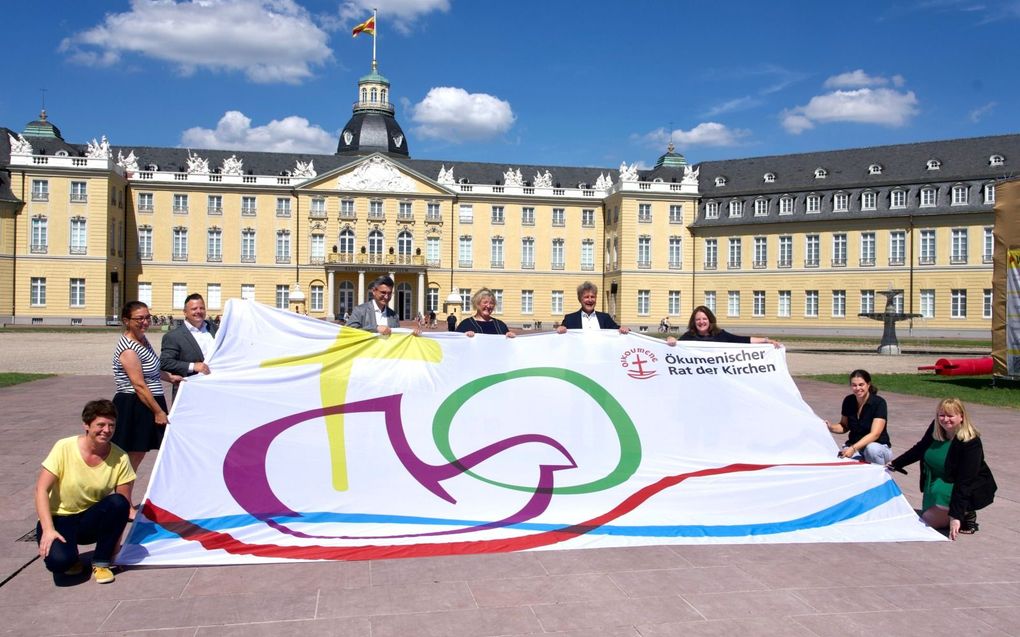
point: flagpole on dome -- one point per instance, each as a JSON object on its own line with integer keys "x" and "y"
{"x": 375, "y": 30}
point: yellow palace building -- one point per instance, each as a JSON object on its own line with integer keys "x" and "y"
{"x": 791, "y": 243}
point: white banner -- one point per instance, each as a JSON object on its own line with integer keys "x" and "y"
{"x": 310, "y": 441}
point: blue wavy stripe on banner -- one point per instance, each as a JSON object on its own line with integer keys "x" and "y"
{"x": 145, "y": 532}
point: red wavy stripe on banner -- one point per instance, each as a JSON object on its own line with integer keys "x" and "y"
{"x": 213, "y": 540}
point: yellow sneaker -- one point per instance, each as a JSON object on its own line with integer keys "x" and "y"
{"x": 75, "y": 569}
{"x": 102, "y": 574}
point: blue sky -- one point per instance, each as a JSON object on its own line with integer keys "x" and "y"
{"x": 563, "y": 83}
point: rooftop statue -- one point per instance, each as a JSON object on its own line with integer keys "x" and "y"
{"x": 304, "y": 169}
{"x": 98, "y": 150}
{"x": 233, "y": 166}
{"x": 513, "y": 178}
{"x": 543, "y": 180}
{"x": 691, "y": 175}
{"x": 446, "y": 176}
{"x": 197, "y": 165}
{"x": 19, "y": 145}
{"x": 628, "y": 173}
{"x": 604, "y": 182}
{"x": 129, "y": 163}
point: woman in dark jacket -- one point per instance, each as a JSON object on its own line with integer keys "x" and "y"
{"x": 702, "y": 326}
{"x": 954, "y": 477}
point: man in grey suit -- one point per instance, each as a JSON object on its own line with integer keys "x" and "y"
{"x": 376, "y": 315}
{"x": 185, "y": 348}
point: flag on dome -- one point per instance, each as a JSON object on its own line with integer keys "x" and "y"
{"x": 368, "y": 26}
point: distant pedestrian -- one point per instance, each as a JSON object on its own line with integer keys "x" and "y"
{"x": 451, "y": 322}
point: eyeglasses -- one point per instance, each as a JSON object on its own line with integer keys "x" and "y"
{"x": 141, "y": 319}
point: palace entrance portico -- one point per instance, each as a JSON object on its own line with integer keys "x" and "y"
{"x": 347, "y": 283}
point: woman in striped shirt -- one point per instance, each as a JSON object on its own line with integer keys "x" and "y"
{"x": 141, "y": 408}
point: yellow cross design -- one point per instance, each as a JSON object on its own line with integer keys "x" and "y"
{"x": 337, "y": 362}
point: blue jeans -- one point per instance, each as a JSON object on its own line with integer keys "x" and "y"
{"x": 875, "y": 453}
{"x": 102, "y": 524}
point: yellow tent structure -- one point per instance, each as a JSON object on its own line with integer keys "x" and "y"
{"x": 1006, "y": 281}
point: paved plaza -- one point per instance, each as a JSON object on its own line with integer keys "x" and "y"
{"x": 968, "y": 587}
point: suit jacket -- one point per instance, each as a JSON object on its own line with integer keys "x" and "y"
{"x": 180, "y": 348}
{"x": 363, "y": 317}
{"x": 973, "y": 485}
{"x": 573, "y": 321}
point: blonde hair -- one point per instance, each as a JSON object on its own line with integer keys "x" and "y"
{"x": 476, "y": 300}
{"x": 953, "y": 406}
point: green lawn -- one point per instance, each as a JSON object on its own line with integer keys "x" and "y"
{"x": 15, "y": 378}
{"x": 969, "y": 389}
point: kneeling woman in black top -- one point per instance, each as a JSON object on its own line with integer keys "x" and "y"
{"x": 484, "y": 302}
{"x": 954, "y": 477}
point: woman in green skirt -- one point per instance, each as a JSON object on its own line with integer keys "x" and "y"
{"x": 955, "y": 479}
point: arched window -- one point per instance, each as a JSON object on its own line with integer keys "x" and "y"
{"x": 405, "y": 243}
{"x": 383, "y": 95}
{"x": 347, "y": 242}
{"x": 375, "y": 242}
{"x": 375, "y": 95}
{"x": 821, "y": 173}
{"x": 364, "y": 95}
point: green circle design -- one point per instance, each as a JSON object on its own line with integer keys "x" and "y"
{"x": 630, "y": 442}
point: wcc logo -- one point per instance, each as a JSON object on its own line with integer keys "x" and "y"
{"x": 637, "y": 361}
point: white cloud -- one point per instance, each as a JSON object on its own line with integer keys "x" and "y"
{"x": 704, "y": 134}
{"x": 979, "y": 112}
{"x": 736, "y": 104}
{"x": 454, "y": 115}
{"x": 402, "y": 14}
{"x": 855, "y": 79}
{"x": 267, "y": 40}
{"x": 288, "y": 135}
{"x": 884, "y": 106}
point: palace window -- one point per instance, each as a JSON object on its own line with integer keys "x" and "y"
{"x": 839, "y": 249}
{"x": 375, "y": 242}
{"x": 786, "y": 206}
{"x": 673, "y": 303}
{"x": 145, "y": 202}
{"x": 674, "y": 252}
{"x": 528, "y": 253}
{"x": 897, "y": 247}
{"x": 77, "y": 293}
{"x": 249, "y": 206}
{"x": 248, "y": 245}
{"x": 733, "y": 303}
{"x": 867, "y": 249}
{"x": 712, "y": 210}
{"x": 840, "y": 202}
{"x": 813, "y": 204}
{"x": 587, "y": 255}
{"x": 927, "y": 303}
{"x": 214, "y": 245}
{"x": 145, "y": 242}
{"x": 180, "y": 203}
{"x": 644, "y": 252}
{"x": 180, "y": 244}
{"x": 676, "y": 213}
{"x": 644, "y": 302}
{"x": 644, "y": 214}
{"x": 929, "y": 197}
{"x": 464, "y": 254}
{"x": 283, "y": 246}
{"x": 734, "y": 254}
{"x": 867, "y": 301}
{"x": 758, "y": 303}
{"x": 497, "y": 215}
{"x": 839, "y": 303}
{"x": 958, "y": 255}
{"x": 960, "y": 195}
{"x": 711, "y": 253}
{"x": 496, "y": 252}
{"x": 785, "y": 303}
{"x": 78, "y": 192}
{"x": 761, "y": 207}
{"x": 869, "y": 200}
{"x": 37, "y": 291}
{"x": 958, "y": 303}
{"x": 785, "y": 251}
{"x": 927, "y": 253}
{"x": 527, "y": 216}
{"x": 761, "y": 252}
{"x": 405, "y": 243}
{"x": 282, "y": 207}
{"x": 79, "y": 236}
{"x": 40, "y": 190}
{"x": 811, "y": 303}
{"x": 346, "y": 243}
{"x": 812, "y": 250}
{"x": 736, "y": 208}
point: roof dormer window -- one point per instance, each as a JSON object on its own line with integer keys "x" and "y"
{"x": 821, "y": 173}
{"x": 60, "y": 153}
{"x": 996, "y": 160}
{"x": 769, "y": 178}
{"x": 934, "y": 164}
{"x": 875, "y": 169}
{"x": 720, "y": 181}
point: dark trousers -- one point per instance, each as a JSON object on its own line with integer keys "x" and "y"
{"x": 102, "y": 524}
